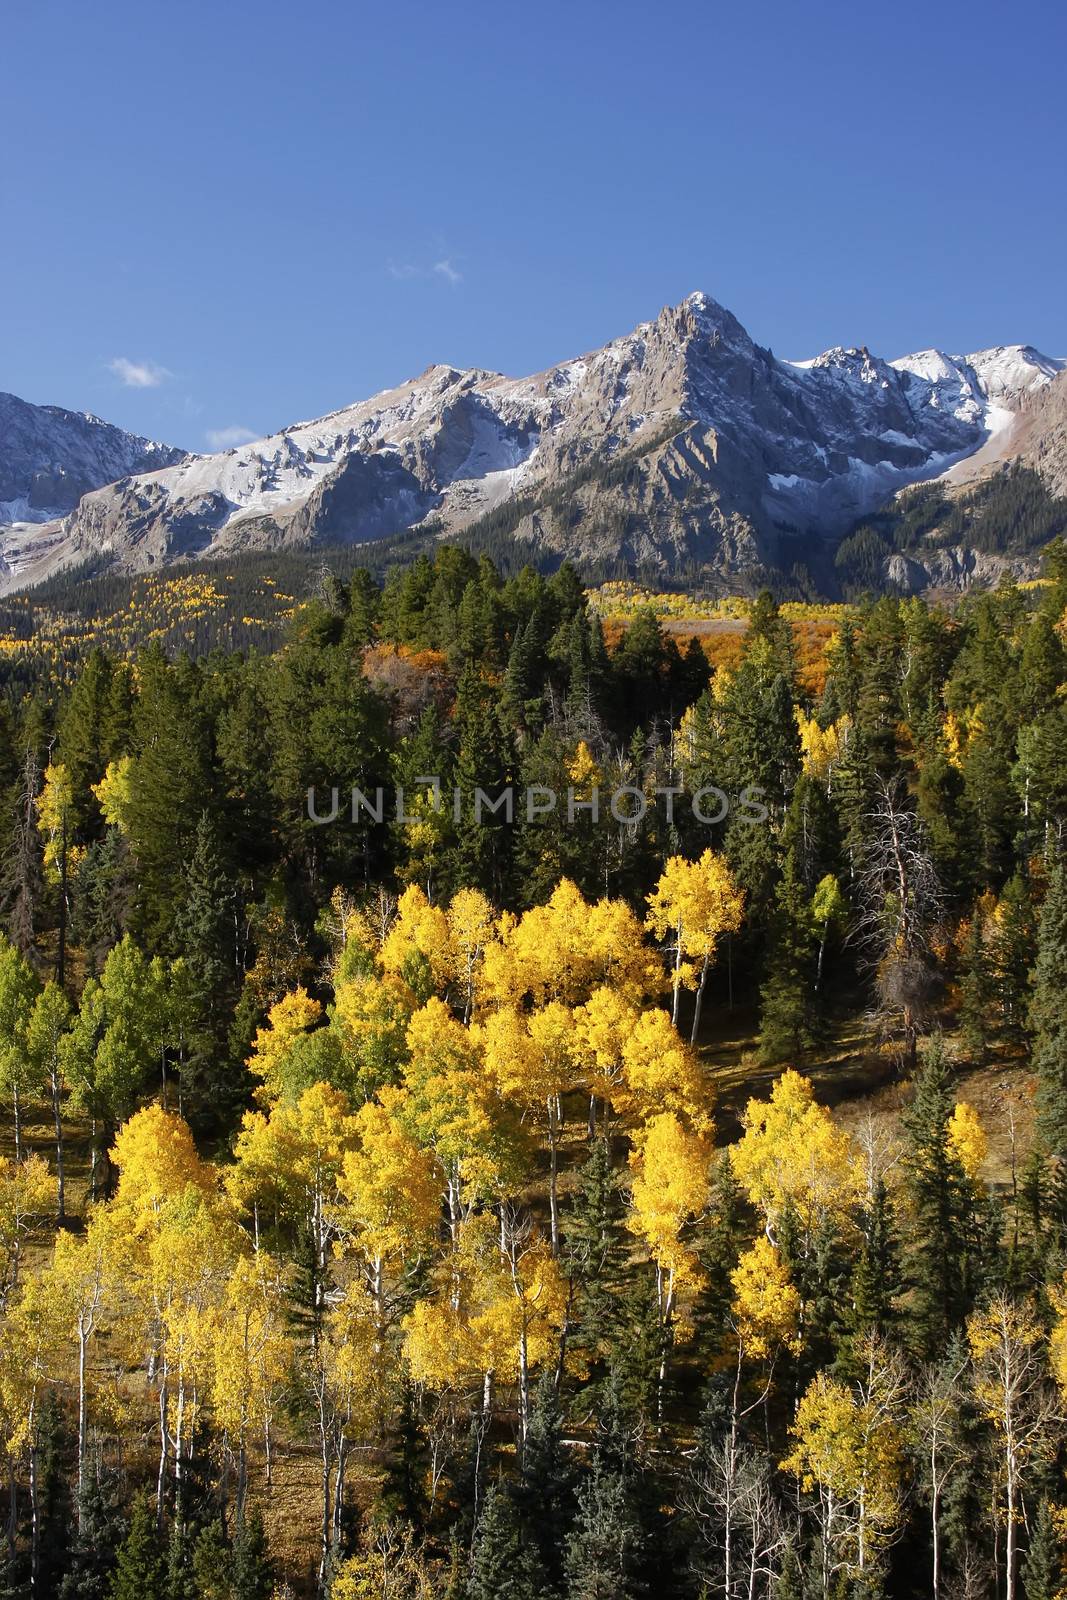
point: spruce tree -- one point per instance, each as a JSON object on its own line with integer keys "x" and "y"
{"x": 978, "y": 985}
{"x": 789, "y": 1583}
{"x": 595, "y": 1245}
{"x": 936, "y": 1264}
{"x": 1014, "y": 951}
{"x": 605, "y": 1548}
{"x": 545, "y": 1491}
{"x": 91, "y": 1556}
{"x": 786, "y": 1010}
{"x": 1041, "y": 1566}
{"x": 140, "y": 1565}
{"x": 253, "y": 1569}
{"x": 212, "y": 1563}
{"x": 504, "y": 1566}
{"x": 876, "y": 1278}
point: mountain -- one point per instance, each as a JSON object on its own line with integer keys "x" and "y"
{"x": 50, "y": 458}
{"x": 681, "y": 444}
{"x": 1038, "y": 434}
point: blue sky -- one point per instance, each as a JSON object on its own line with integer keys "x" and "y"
{"x": 230, "y": 216}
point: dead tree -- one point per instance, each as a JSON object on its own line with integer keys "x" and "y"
{"x": 900, "y": 908}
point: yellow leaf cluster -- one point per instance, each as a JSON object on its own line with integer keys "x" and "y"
{"x": 793, "y": 1153}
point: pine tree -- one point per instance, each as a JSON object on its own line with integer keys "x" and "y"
{"x": 212, "y": 1563}
{"x": 1014, "y": 952}
{"x": 936, "y": 1264}
{"x": 787, "y": 1019}
{"x": 876, "y": 1271}
{"x": 1048, "y": 1015}
{"x": 253, "y": 1569}
{"x": 140, "y": 1565}
{"x": 605, "y": 1548}
{"x": 181, "y": 1584}
{"x": 789, "y": 1584}
{"x": 545, "y": 1492}
{"x": 91, "y": 1558}
{"x": 978, "y": 985}
{"x": 1041, "y": 1569}
{"x": 595, "y": 1243}
{"x": 503, "y": 1567}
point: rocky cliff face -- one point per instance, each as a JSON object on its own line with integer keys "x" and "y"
{"x": 682, "y": 442}
{"x": 50, "y": 457}
{"x": 1039, "y": 435}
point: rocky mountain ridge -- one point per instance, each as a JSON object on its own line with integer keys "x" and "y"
{"x": 683, "y": 443}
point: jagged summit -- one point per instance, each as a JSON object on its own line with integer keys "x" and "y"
{"x": 682, "y": 440}
{"x": 50, "y": 457}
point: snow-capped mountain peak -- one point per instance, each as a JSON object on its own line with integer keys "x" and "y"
{"x": 681, "y": 440}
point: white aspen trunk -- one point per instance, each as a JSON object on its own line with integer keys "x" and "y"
{"x": 83, "y": 1339}
{"x": 161, "y": 1477}
{"x": 935, "y": 1522}
{"x": 698, "y": 1003}
{"x": 677, "y": 975}
{"x": 553, "y": 1182}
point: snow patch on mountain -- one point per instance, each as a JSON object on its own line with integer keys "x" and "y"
{"x": 730, "y": 448}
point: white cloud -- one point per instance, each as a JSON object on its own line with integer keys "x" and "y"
{"x": 409, "y": 271}
{"x": 228, "y": 438}
{"x": 138, "y": 374}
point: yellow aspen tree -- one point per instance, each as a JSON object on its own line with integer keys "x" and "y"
{"x": 661, "y": 1073}
{"x": 27, "y": 1188}
{"x": 113, "y": 793}
{"x": 792, "y": 1152}
{"x": 81, "y": 1278}
{"x": 967, "y": 1139}
{"x": 251, "y": 1354}
{"x": 497, "y": 1316}
{"x": 156, "y": 1159}
{"x": 671, "y": 1182}
{"x": 828, "y": 908}
{"x": 452, "y": 1110}
{"x": 765, "y": 1311}
{"x": 539, "y": 1299}
{"x": 287, "y": 1021}
{"x": 291, "y": 1161}
{"x": 765, "y": 1317}
{"x": 45, "y": 1031}
{"x": 694, "y": 904}
{"x": 531, "y": 1060}
{"x": 61, "y": 857}
{"x": 180, "y": 1286}
{"x": 371, "y": 1015}
{"x": 472, "y": 925}
{"x": 29, "y": 1353}
{"x": 420, "y": 935}
{"x": 848, "y": 1456}
{"x": 387, "y": 1567}
{"x": 565, "y": 949}
{"x": 602, "y": 1027}
{"x": 620, "y": 958}
{"x": 18, "y": 991}
{"x": 344, "y": 1383}
{"x": 389, "y": 1206}
{"x": 1006, "y": 1342}
{"x": 822, "y": 749}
